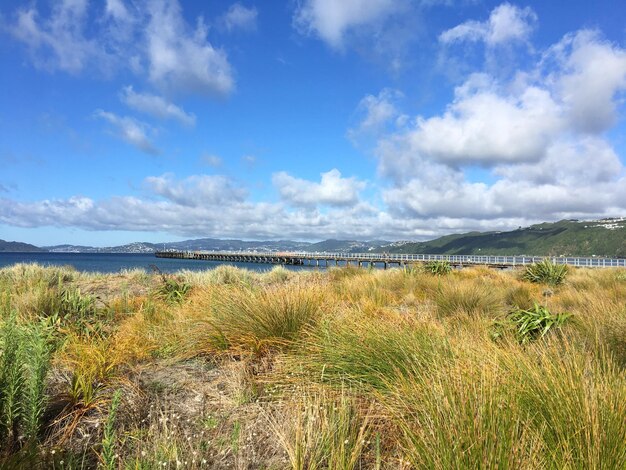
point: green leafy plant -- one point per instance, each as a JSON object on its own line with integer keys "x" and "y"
{"x": 24, "y": 362}
{"x": 172, "y": 290}
{"x": 108, "y": 457}
{"x": 546, "y": 272}
{"x": 75, "y": 304}
{"x": 438, "y": 268}
{"x": 535, "y": 322}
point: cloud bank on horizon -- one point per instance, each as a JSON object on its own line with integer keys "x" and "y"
{"x": 399, "y": 119}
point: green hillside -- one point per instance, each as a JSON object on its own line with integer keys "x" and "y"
{"x": 606, "y": 237}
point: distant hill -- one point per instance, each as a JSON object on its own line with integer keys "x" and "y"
{"x": 606, "y": 237}
{"x": 20, "y": 247}
{"x": 345, "y": 246}
{"x": 215, "y": 244}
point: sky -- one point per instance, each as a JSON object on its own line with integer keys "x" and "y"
{"x": 163, "y": 120}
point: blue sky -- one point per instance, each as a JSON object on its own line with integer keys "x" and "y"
{"x": 159, "y": 120}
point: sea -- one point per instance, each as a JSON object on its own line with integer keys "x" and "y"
{"x": 115, "y": 262}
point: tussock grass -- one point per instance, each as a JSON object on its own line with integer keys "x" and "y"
{"x": 366, "y": 351}
{"x": 263, "y": 319}
{"x": 469, "y": 298}
{"x": 223, "y": 274}
{"x": 347, "y": 368}
{"x": 322, "y": 429}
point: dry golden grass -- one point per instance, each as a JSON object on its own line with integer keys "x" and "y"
{"x": 346, "y": 368}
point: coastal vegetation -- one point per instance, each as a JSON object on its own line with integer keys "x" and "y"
{"x": 347, "y": 368}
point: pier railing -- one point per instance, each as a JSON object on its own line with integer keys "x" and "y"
{"x": 388, "y": 258}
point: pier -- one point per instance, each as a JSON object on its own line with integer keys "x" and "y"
{"x": 385, "y": 260}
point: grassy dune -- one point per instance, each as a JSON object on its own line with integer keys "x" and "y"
{"x": 345, "y": 369}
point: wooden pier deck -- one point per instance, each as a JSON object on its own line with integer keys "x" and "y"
{"x": 383, "y": 259}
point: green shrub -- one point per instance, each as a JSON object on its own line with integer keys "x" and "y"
{"x": 535, "y": 322}
{"x": 172, "y": 290}
{"x": 438, "y": 268}
{"x": 77, "y": 305}
{"x": 24, "y": 362}
{"x": 546, "y": 272}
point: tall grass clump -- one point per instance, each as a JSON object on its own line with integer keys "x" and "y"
{"x": 461, "y": 415}
{"x": 24, "y": 362}
{"x": 365, "y": 351}
{"x": 258, "y": 320}
{"x": 576, "y": 401}
{"x": 321, "y": 429}
{"x": 546, "y": 272}
{"x": 466, "y": 298}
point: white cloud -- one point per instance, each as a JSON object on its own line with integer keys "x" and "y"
{"x": 117, "y": 9}
{"x": 196, "y": 190}
{"x": 59, "y": 42}
{"x": 181, "y": 59}
{"x": 377, "y": 112}
{"x": 331, "y": 20}
{"x": 239, "y": 17}
{"x": 130, "y": 130}
{"x": 506, "y": 23}
{"x": 332, "y": 190}
{"x": 156, "y": 106}
{"x": 593, "y": 72}
{"x": 539, "y": 136}
{"x": 485, "y": 126}
{"x": 150, "y": 38}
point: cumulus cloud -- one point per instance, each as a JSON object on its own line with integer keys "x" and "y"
{"x": 506, "y": 23}
{"x": 156, "y": 106}
{"x": 484, "y": 126}
{"x": 332, "y": 190}
{"x": 130, "y": 130}
{"x": 198, "y": 205}
{"x": 239, "y": 17}
{"x": 539, "y": 135}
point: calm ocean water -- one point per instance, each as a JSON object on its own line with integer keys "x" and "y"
{"x": 114, "y": 262}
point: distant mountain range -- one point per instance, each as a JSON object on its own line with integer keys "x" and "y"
{"x": 214, "y": 244}
{"x": 606, "y": 237}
